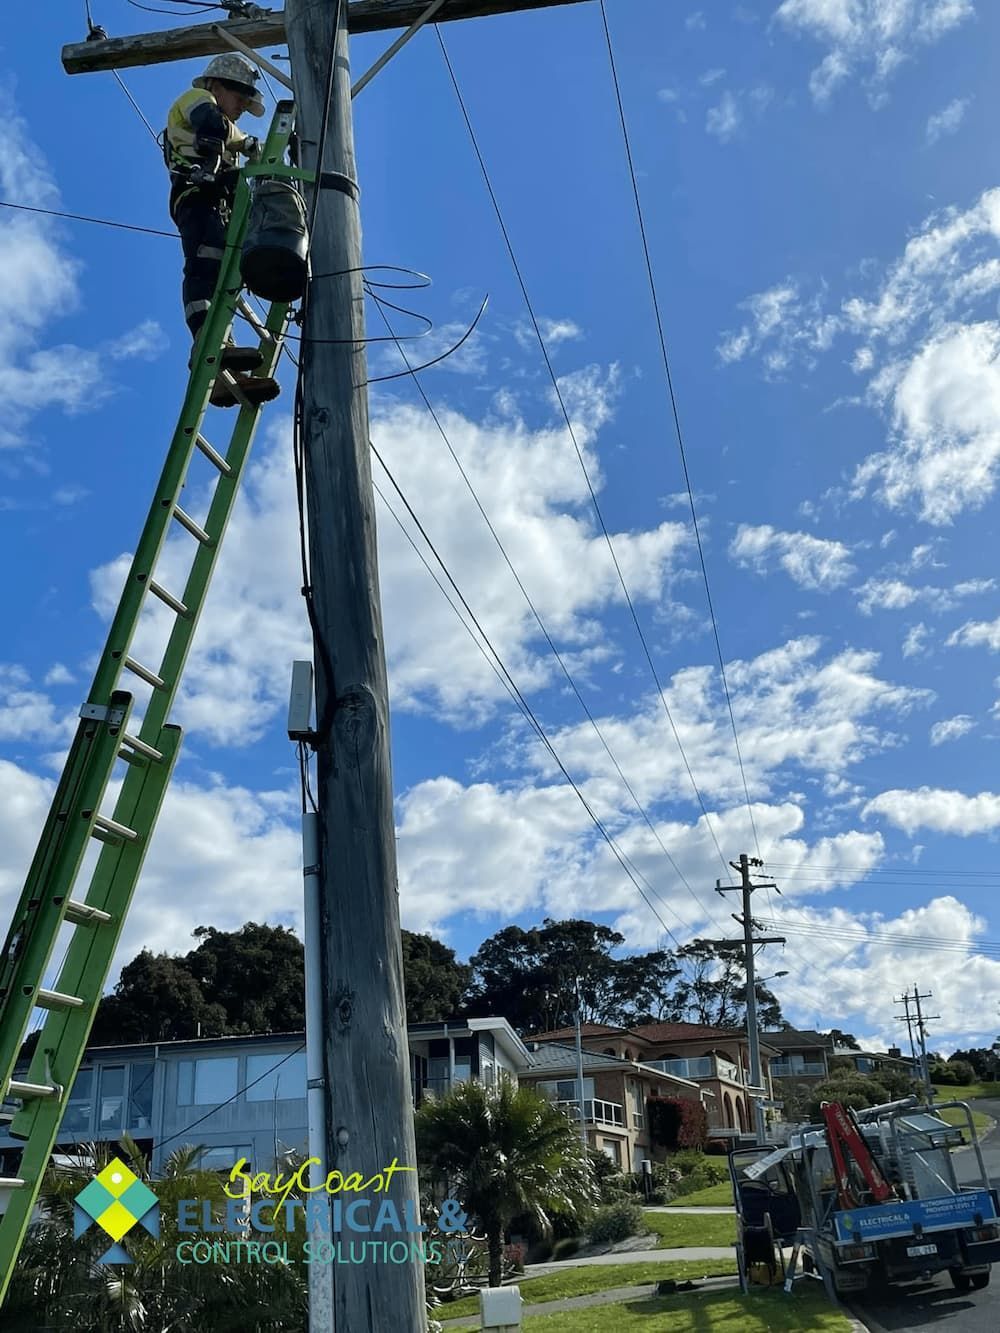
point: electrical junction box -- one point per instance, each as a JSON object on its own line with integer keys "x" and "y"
{"x": 500, "y": 1308}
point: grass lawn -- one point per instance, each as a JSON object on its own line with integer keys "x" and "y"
{"x": 957, "y": 1117}
{"x": 713, "y": 1196}
{"x": 673, "y": 1231}
{"x": 720, "y": 1311}
{"x": 968, "y": 1092}
{"x": 597, "y": 1277}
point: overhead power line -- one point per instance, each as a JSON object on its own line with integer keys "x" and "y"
{"x": 572, "y": 434}
{"x": 80, "y": 217}
{"x": 677, "y": 422}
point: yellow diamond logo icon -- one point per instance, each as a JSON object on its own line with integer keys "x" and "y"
{"x": 116, "y": 1220}
{"x": 116, "y": 1178}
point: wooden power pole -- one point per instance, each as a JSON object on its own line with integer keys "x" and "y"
{"x": 369, "y": 1120}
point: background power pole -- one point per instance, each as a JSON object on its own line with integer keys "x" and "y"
{"x": 922, "y": 1020}
{"x": 750, "y": 941}
{"x": 579, "y": 1064}
{"x": 907, "y": 1018}
{"x": 369, "y": 1115}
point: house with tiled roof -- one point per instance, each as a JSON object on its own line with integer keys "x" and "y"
{"x": 716, "y": 1059}
{"x": 615, "y": 1092}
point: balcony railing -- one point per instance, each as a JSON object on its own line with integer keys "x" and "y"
{"x": 807, "y": 1069}
{"x": 596, "y": 1112}
{"x": 702, "y": 1066}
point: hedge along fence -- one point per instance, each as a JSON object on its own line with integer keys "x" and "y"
{"x": 677, "y": 1123}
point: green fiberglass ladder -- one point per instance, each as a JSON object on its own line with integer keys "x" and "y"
{"x": 105, "y": 735}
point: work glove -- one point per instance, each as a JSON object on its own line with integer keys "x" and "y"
{"x": 251, "y": 148}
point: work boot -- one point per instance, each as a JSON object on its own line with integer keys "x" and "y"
{"x": 255, "y": 389}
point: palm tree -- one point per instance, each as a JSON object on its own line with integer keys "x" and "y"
{"x": 60, "y": 1284}
{"x": 503, "y": 1152}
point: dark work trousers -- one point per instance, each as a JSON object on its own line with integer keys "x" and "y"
{"x": 201, "y": 216}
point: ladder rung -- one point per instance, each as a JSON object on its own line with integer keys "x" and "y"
{"x": 138, "y": 748}
{"x": 195, "y": 529}
{"x": 112, "y": 831}
{"x": 213, "y": 455}
{"x": 11, "y": 1183}
{"x": 173, "y": 602}
{"x": 32, "y": 1091}
{"x": 53, "y": 999}
{"x": 144, "y": 673}
{"x": 82, "y": 914}
{"x": 253, "y": 319}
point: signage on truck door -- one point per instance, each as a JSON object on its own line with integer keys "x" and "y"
{"x": 899, "y": 1218}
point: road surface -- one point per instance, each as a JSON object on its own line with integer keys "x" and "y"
{"x": 921, "y": 1306}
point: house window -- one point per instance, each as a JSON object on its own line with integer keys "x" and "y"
{"x": 140, "y": 1100}
{"x": 611, "y": 1148}
{"x": 223, "y": 1157}
{"x": 566, "y": 1089}
{"x": 281, "y": 1078}
{"x": 76, "y": 1119}
{"x": 111, "y": 1100}
{"x": 208, "y": 1081}
{"x": 487, "y": 1074}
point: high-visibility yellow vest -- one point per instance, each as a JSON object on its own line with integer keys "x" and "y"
{"x": 180, "y": 136}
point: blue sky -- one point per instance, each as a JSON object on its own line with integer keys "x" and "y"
{"x": 818, "y": 185}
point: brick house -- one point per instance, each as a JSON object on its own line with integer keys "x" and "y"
{"x": 716, "y": 1059}
{"x": 615, "y": 1091}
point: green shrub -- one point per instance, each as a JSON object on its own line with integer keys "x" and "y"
{"x": 565, "y": 1248}
{"x": 666, "y": 1175}
{"x": 657, "y": 1198}
{"x": 616, "y": 1222}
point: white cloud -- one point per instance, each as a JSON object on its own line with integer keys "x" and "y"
{"x": 695, "y": 21}
{"x": 59, "y": 675}
{"x": 146, "y": 342}
{"x": 811, "y": 562}
{"x": 945, "y": 418}
{"x": 553, "y": 331}
{"x": 976, "y": 633}
{"x": 724, "y": 120}
{"x": 947, "y": 120}
{"x": 240, "y": 852}
{"x": 915, "y": 643}
{"x": 26, "y": 714}
{"x": 858, "y": 976}
{"x": 870, "y": 37}
{"x": 951, "y": 728}
{"x": 937, "y": 809}
{"x": 892, "y": 594}
{"x": 40, "y": 283}
{"x": 532, "y": 487}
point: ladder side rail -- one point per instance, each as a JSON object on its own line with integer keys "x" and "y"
{"x": 61, "y": 847}
{"x": 64, "y": 1035}
{"x": 203, "y": 564}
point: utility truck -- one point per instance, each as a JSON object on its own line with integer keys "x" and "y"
{"x": 870, "y": 1197}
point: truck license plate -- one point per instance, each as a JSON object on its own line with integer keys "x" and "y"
{"x": 914, "y": 1250}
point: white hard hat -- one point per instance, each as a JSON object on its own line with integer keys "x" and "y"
{"x": 234, "y": 69}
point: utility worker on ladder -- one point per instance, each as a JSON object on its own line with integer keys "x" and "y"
{"x": 202, "y": 145}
